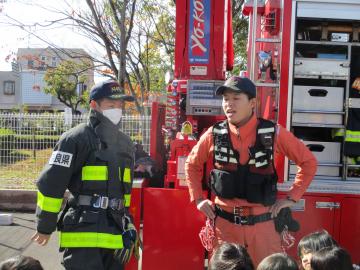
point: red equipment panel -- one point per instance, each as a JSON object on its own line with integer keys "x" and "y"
{"x": 313, "y": 219}
{"x": 171, "y": 231}
{"x": 202, "y": 39}
{"x": 135, "y": 210}
{"x": 350, "y": 227}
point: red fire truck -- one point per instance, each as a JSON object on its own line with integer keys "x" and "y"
{"x": 304, "y": 56}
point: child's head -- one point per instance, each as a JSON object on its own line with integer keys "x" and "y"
{"x": 231, "y": 257}
{"x": 278, "y": 261}
{"x": 331, "y": 258}
{"x": 21, "y": 262}
{"x": 311, "y": 243}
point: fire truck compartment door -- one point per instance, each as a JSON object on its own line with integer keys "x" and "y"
{"x": 347, "y": 10}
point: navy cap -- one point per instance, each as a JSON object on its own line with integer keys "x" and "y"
{"x": 109, "y": 89}
{"x": 238, "y": 84}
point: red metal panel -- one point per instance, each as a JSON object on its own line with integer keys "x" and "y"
{"x": 171, "y": 228}
{"x": 219, "y": 47}
{"x": 157, "y": 148}
{"x": 284, "y": 77}
{"x": 313, "y": 219}
{"x": 135, "y": 210}
{"x": 181, "y": 36}
{"x": 350, "y": 227}
{"x": 202, "y": 44}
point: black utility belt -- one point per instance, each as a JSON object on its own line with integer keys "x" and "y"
{"x": 242, "y": 220}
{"x": 102, "y": 202}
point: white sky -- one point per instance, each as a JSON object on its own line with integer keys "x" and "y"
{"x": 28, "y": 13}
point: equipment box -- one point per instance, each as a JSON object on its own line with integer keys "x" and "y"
{"x": 322, "y": 170}
{"x": 318, "y": 67}
{"x": 318, "y": 97}
{"x": 317, "y": 118}
{"x": 326, "y": 153}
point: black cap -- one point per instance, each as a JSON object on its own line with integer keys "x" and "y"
{"x": 109, "y": 89}
{"x": 238, "y": 84}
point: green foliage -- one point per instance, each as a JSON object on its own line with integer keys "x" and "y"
{"x": 6, "y": 131}
{"x": 10, "y": 142}
{"x": 62, "y": 82}
{"x": 240, "y": 36}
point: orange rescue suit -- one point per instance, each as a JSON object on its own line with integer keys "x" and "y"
{"x": 260, "y": 239}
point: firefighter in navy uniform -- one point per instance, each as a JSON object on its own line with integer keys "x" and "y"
{"x": 94, "y": 161}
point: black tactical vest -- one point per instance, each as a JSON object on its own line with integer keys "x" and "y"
{"x": 256, "y": 181}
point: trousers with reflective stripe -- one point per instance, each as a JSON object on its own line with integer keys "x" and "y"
{"x": 90, "y": 239}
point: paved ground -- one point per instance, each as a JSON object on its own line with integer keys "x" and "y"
{"x": 15, "y": 239}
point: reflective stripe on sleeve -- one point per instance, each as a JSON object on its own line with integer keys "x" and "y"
{"x": 97, "y": 173}
{"x": 127, "y": 198}
{"x": 49, "y": 204}
{"x": 352, "y": 136}
{"x": 127, "y": 175}
{"x": 90, "y": 239}
{"x": 266, "y": 130}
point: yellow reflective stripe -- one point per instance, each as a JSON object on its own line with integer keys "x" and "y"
{"x": 337, "y": 132}
{"x": 352, "y": 136}
{"x": 99, "y": 173}
{"x": 127, "y": 175}
{"x": 127, "y": 198}
{"x": 90, "y": 239}
{"x": 49, "y": 204}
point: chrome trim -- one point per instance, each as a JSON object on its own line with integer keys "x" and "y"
{"x": 327, "y": 186}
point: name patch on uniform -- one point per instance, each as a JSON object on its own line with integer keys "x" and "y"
{"x": 61, "y": 158}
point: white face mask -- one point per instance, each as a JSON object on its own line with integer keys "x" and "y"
{"x": 114, "y": 115}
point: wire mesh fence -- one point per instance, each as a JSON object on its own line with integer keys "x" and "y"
{"x": 26, "y": 142}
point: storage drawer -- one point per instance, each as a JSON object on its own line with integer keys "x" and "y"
{"x": 325, "y": 152}
{"x": 318, "y": 97}
{"x": 321, "y": 170}
{"x": 317, "y": 118}
{"x": 326, "y": 68}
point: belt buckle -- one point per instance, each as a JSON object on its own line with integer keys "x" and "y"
{"x": 104, "y": 202}
{"x": 237, "y": 220}
{"x": 101, "y": 202}
{"x": 116, "y": 204}
{"x": 241, "y": 220}
{"x": 97, "y": 200}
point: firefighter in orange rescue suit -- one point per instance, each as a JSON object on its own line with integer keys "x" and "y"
{"x": 95, "y": 162}
{"x": 244, "y": 178}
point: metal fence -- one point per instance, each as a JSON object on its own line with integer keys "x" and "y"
{"x": 26, "y": 142}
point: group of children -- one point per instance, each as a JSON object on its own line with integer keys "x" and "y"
{"x": 317, "y": 251}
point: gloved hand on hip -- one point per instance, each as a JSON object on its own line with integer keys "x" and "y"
{"x": 131, "y": 244}
{"x": 284, "y": 218}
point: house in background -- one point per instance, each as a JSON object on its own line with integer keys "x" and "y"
{"x": 10, "y": 94}
{"x": 27, "y": 78}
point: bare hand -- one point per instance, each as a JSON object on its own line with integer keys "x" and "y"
{"x": 144, "y": 168}
{"x": 278, "y": 205}
{"x": 41, "y": 239}
{"x": 207, "y": 207}
{"x": 140, "y": 168}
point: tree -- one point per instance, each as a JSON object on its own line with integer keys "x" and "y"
{"x": 68, "y": 83}
{"x": 240, "y": 30}
{"x": 137, "y": 37}
{"x": 124, "y": 30}
{"x": 127, "y": 31}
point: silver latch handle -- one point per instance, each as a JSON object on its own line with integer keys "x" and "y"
{"x": 330, "y": 205}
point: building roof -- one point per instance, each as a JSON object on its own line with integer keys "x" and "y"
{"x": 61, "y": 53}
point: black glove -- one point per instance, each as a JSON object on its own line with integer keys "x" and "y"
{"x": 131, "y": 242}
{"x": 284, "y": 218}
